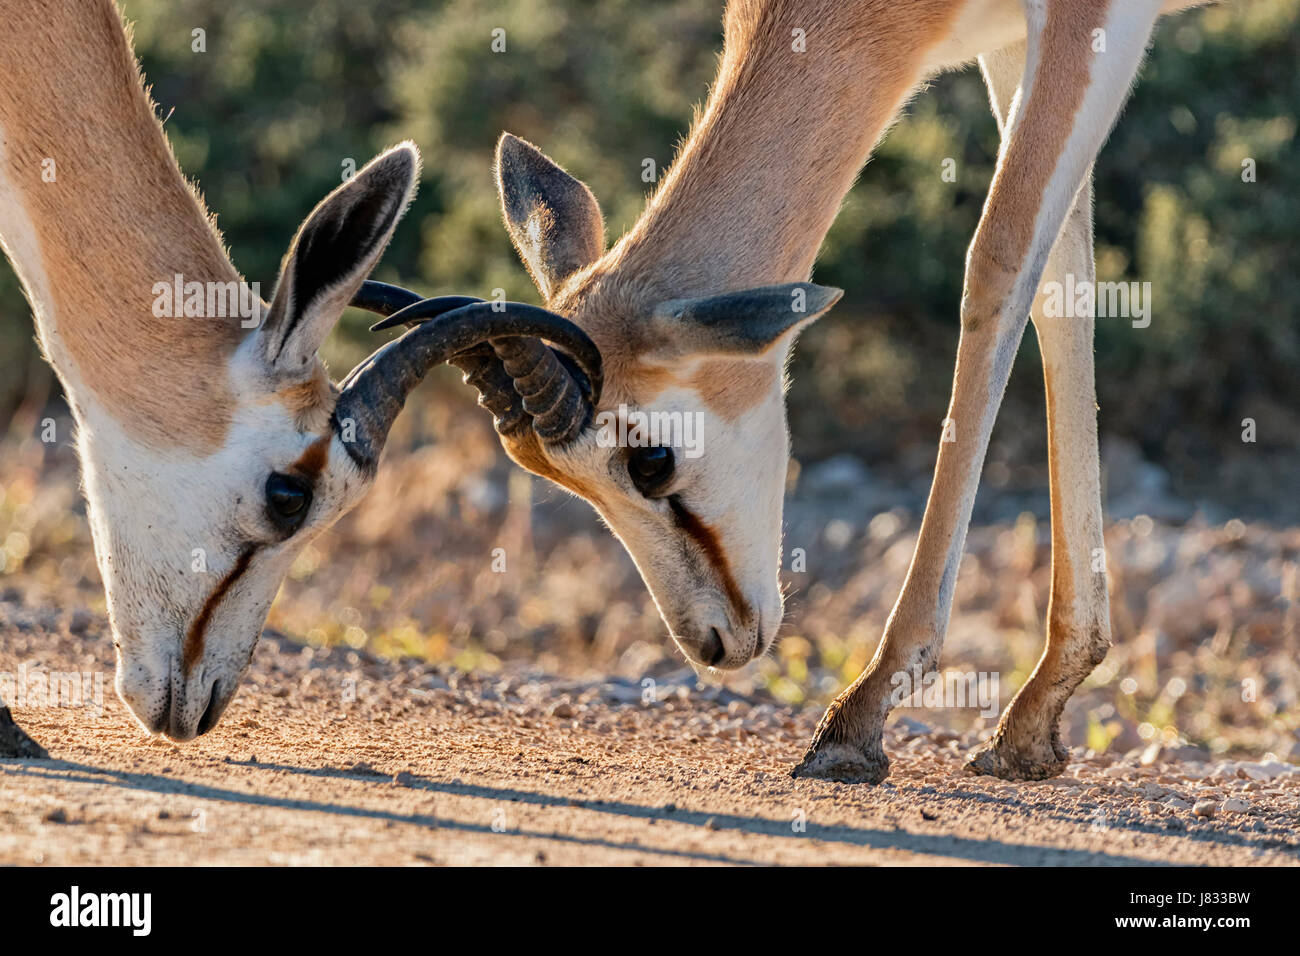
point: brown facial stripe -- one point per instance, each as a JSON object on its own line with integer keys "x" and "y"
{"x": 195, "y": 636}
{"x": 313, "y": 461}
{"x": 707, "y": 539}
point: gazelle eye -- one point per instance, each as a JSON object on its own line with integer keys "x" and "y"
{"x": 650, "y": 468}
{"x": 288, "y": 499}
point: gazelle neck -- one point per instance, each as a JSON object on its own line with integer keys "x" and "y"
{"x": 94, "y": 212}
{"x": 782, "y": 138}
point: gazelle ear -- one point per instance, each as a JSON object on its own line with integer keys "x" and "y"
{"x": 334, "y": 251}
{"x": 745, "y": 323}
{"x": 553, "y": 219}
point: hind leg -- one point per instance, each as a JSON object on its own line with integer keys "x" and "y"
{"x": 1027, "y": 745}
{"x": 1054, "y": 129}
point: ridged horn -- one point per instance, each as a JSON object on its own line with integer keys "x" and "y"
{"x": 499, "y": 345}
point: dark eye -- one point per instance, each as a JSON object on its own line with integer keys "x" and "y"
{"x": 651, "y": 469}
{"x": 288, "y": 500}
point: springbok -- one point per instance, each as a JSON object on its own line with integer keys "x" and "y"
{"x": 690, "y": 316}
{"x": 212, "y": 448}
{"x": 693, "y": 312}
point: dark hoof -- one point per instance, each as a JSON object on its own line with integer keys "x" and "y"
{"x": 998, "y": 758}
{"x": 843, "y": 764}
{"x": 14, "y": 741}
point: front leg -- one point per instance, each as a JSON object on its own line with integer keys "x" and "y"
{"x": 1055, "y": 128}
{"x": 1027, "y": 745}
{"x": 848, "y": 743}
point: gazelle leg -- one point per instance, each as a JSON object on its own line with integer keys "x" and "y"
{"x": 1027, "y": 745}
{"x": 1055, "y": 131}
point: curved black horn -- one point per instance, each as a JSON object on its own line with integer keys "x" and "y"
{"x": 481, "y": 365}
{"x": 497, "y": 344}
{"x": 382, "y": 298}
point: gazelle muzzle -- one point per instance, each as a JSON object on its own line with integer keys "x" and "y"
{"x": 523, "y": 381}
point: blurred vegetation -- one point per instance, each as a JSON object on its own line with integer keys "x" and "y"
{"x": 288, "y": 91}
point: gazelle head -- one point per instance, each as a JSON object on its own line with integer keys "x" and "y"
{"x": 198, "y": 507}
{"x": 685, "y": 455}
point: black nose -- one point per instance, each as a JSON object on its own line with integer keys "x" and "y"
{"x": 713, "y": 651}
{"x": 168, "y": 718}
{"x": 211, "y": 713}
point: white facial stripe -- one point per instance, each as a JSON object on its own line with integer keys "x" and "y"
{"x": 171, "y": 532}
{"x": 733, "y": 494}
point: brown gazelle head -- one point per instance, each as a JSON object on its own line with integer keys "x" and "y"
{"x": 195, "y": 526}
{"x": 686, "y": 450}
{"x": 198, "y": 505}
{"x": 212, "y": 441}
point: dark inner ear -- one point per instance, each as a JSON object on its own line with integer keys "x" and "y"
{"x": 745, "y": 322}
{"x": 553, "y": 219}
{"x": 335, "y": 250}
{"x": 330, "y": 248}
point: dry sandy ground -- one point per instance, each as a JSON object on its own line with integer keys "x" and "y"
{"x": 327, "y": 757}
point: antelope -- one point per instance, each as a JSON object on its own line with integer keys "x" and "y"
{"x": 694, "y": 310}
{"x": 212, "y": 448}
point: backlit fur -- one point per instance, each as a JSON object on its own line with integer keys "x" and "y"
{"x": 180, "y": 421}
{"x": 747, "y": 203}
